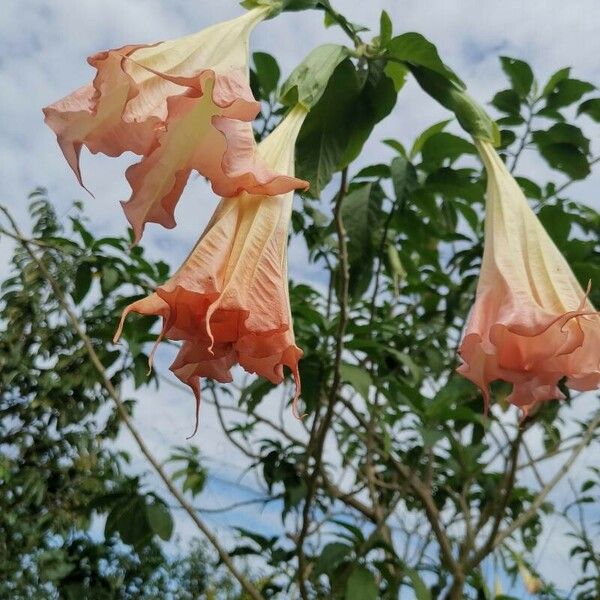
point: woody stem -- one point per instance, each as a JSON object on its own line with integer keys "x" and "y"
{"x": 320, "y": 429}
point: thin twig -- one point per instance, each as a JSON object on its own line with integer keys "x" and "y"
{"x": 539, "y": 499}
{"x": 523, "y": 141}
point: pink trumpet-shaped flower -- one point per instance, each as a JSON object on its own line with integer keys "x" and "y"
{"x": 532, "y": 323}
{"x": 182, "y": 105}
{"x": 229, "y": 300}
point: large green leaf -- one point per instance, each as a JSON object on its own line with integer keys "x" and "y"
{"x": 567, "y": 91}
{"x": 128, "y": 518}
{"x": 82, "y": 283}
{"x": 556, "y": 222}
{"x": 519, "y": 73}
{"x": 565, "y": 148}
{"x": 309, "y": 79}
{"x": 507, "y": 101}
{"x": 554, "y": 80}
{"x": 278, "y": 6}
{"x": 404, "y": 179}
{"x": 361, "y": 215}
{"x": 414, "y": 49}
{"x": 331, "y": 556}
{"x": 337, "y": 127}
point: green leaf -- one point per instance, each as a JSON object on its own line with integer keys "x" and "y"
{"x": 335, "y": 130}
{"x": 554, "y": 80}
{"x": 416, "y": 50}
{"x": 519, "y": 73}
{"x": 444, "y": 145}
{"x": 331, "y": 556}
{"x": 160, "y": 520}
{"x": 404, "y": 179}
{"x": 361, "y": 585}
{"x": 83, "y": 282}
{"x": 54, "y": 564}
{"x": 397, "y": 72}
{"x": 86, "y": 236}
{"x": 309, "y": 79}
{"x": 565, "y": 148}
{"x": 253, "y": 394}
{"x": 507, "y": 101}
{"x": 357, "y": 377}
{"x": 530, "y": 188}
{"x": 385, "y": 28}
{"x": 379, "y": 171}
{"x": 109, "y": 278}
{"x": 356, "y": 536}
{"x": 566, "y": 158}
{"x": 140, "y": 370}
{"x": 563, "y": 133}
{"x": 419, "y": 588}
{"x": 556, "y": 222}
{"x": 395, "y": 145}
{"x": 568, "y": 91}
{"x": 267, "y": 71}
{"x": 591, "y": 108}
{"x": 195, "y": 482}
{"x": 425, "y": 135}
{"x": 361, "y": 214}
{"x": 295, "y": 5}
{"x": 129, "y": 519}
{"x": 312, "y": 374}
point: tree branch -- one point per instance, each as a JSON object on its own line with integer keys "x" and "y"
{"x": 539, "y": 499}
{"x": 320, "y": 432}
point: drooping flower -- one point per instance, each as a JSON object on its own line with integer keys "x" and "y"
{"x": 532, "y": 323}
{"x": 229, "y": 300}
{"x": 533, "y": 584}
{"x": 182, "y": 105}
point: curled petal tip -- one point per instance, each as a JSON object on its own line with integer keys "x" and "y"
{"x": 532, "y": 323}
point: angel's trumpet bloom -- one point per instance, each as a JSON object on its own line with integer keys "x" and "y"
{"x": 532, "y": 323}
{"x": 182, "y": 105}
{"x": 533, "y": 585}
{"x": 229, "y": 301}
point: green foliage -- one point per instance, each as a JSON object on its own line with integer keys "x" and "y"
{"x": 334, "y": 132}
{"x": 413, "y": 231}
{"x": 415, "y": 50}
{"x": 58, "y": 466}
{"x": 520, "y": 75}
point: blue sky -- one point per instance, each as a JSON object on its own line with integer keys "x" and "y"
{"x": 43, "y": 46}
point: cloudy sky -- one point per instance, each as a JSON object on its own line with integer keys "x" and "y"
{"x": 43, "y": 46}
